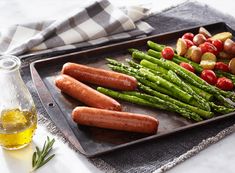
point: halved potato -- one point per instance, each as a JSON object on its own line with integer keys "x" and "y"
{"x": 181, "y": 47}
{"x": 222, "y": 36}
{"x": 204, "y": 32}
{"x": 194, "y": 53}
{"x": 208, "y": 61}
{"x": 199, "y": 39}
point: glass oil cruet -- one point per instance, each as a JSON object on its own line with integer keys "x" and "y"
{"x": 18, "y": 118}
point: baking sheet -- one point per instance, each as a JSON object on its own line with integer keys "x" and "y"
{"x": 92, "y": 141}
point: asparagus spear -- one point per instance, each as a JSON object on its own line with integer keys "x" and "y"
{"x": 221, "y": 109}
{"x": 130, "y": 98}
{"x": 228, "y": 75}
{"x": 190, "y": 77}
{"x": 119, "y": 67}
{"x": 154, "y": 67}
{"x": 155, "y": 46}
{"x": 202, "y": 93}
{"x": 176, "y": 91}
{"x": 130, "y": 72}
{"x": 200, "y": 100}
{"x": 131, "y": 50}
{"x": 202, "y": 113}
{"x": 177, "y": 59}
{"x": 172, "y": 107}
{"x": 171, "y": 76}
{"x": 147, "y": 85}
{"x": 147, "y": 100}
{"x": 134, "y": 64}
{"x": 207, "y": 87}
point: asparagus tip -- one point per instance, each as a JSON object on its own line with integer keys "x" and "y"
{"x": 131, "y": 50}
{"x": 109, "y": 59}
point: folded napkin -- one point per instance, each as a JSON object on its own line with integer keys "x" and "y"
{"x": 98, "y": 23}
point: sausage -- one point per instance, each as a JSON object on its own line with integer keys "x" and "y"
{"x": 100, "y": 77}
{"x": 85, "y": 94}
{"x": 115, "y": 120}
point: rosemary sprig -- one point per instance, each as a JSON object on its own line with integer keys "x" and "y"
{"x": 40, "y": 157}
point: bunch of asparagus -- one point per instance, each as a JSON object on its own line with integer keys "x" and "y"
{"x": 163, "y": 84}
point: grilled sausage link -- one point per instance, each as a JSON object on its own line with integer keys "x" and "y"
{"x": 115, "y": 120}
{"x": 100, "y": 77}
{"x": 85, "y": 94}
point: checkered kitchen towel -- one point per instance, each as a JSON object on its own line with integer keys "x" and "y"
{"x": 98, "y": 23}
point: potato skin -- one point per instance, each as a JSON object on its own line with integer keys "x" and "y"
{"x": 229, "y": 46}
{"x": 199, "y": 39}
{"x": 232, "y": 65}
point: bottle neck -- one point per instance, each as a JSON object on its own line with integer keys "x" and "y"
{"x": 13, "y": 92}
{"x": 9, "y": 73}
{"x": 9, "y": 63}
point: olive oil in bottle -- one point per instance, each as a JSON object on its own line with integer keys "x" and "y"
{"x": 18, "y": 119}
{"x": 17, "y": 128}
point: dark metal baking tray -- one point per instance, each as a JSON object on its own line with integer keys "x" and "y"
{"x": 92, "y": 141}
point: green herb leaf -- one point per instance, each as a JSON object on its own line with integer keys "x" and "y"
{"x": 41, "y": 157}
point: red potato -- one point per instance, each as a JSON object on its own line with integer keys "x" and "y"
{"x": 189, "y": 43}
{"x": 229, "y": 46}
{"x": 168, "y": 53}
{"x": 85, "y": 94}
{"x": 188, "y": 36}
{"x": 199, "y": 39}
{"x": 204, "y": 32}
{"x": 115, "y": 120}
{"x": 224, "y": 55}
{"x": 218, "y": 44}
{"x": 222, "y": 66}
{"x": 187, "y": 66}
{"x": 232, "y": 66}
{"x": 224, "y": 84}
{"x": 208, "y": 47}
{"x": 194, "y": 53}
{"x": 209, "y": 40}
{"x": 209, "y": 76}
{"x": 100, "y": 77}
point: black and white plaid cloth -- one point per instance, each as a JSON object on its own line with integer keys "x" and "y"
{"x": 98, "y": 23}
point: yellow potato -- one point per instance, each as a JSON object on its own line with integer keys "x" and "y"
{"x": 181, "y": 47}
{"x": 194, "y": 53}
{"x": 208, "y": 61}
{"x": 222, "y": 36}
